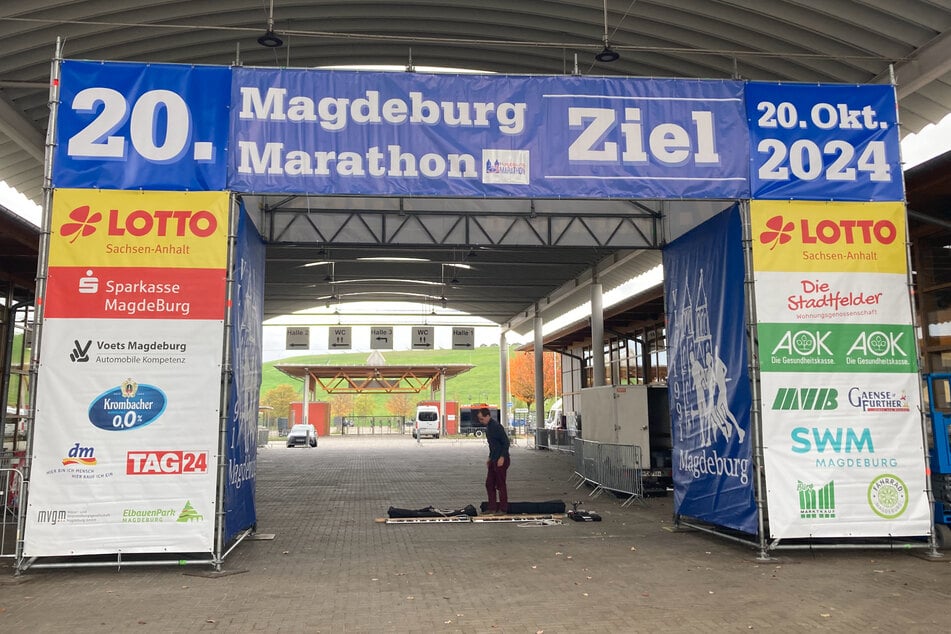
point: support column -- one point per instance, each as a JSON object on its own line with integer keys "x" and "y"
{"x": 443, "y": 417}
{"x": 503, "y": 378}
{"x": 305, "y": 401}
{"x": 539, "y": 373}
{"x": 597, "y": 337}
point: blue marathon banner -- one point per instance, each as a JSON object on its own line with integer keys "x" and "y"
{"x": 824, "y": 142}
{"x": 708, "y": 375}
{"x": 476, "y": 135}
{"x": 123, "y": 125}
{"x": 302, "y": 131}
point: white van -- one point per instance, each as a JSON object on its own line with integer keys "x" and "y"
{"x": 427, "y": 421}
{"x": 553, "y": 420}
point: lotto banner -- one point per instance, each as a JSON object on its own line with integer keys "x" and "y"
{"x": 839, "y": 377}
{"x": 128, "y": 391}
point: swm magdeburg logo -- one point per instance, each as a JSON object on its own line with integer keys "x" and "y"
{"x": 84, "y": 221}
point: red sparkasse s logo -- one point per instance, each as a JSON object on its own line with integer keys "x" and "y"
{"x": 166, "y": 462}
{"x": 140, "y": 222}
{"x": 830, "y": 232}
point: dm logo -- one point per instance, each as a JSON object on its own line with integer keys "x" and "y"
{"x": 79, "y": 455}
{"x": 128, "y": 406}
{"x": 779, "y": 232}
{"x": 888, "y": 496}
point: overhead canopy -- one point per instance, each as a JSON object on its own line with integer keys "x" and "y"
{"x": 507, "y": 283}
{"x": 374, "y": 379}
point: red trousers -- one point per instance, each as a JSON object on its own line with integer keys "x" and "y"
{"x": 495, "y": 485}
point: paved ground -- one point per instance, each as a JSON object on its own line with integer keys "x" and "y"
{"x": 331, "y": 568}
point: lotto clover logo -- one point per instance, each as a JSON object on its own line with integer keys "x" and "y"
{"x": 779, "y": 232}
{"x": 84, "y": 223}
{"x": 888, "y": 496}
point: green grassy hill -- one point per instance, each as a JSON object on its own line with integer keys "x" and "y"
{"x": 480, "y": 384}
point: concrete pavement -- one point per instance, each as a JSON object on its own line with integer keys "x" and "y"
{"x": 331, "y": 568}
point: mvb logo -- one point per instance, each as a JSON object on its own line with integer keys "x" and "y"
{"x": 83, "y": 221}
{"x": 829, "y": 232}
{"x": 816, "y": 503}
{"x": 806, "y": 398}
{"x": 79, "y": 455}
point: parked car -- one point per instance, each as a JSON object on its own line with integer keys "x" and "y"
{"x": 302, "y": 436}
{"x": 427, "y": 421}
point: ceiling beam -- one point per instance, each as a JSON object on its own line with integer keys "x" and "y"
{"x": 16, "y": 127}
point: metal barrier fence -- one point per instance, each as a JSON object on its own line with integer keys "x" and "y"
{"x": 11, "y": 490}
{"x": 610, "y": 467}
{"x": 554, "y": 439}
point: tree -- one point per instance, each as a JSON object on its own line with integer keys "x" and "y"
{"x": 341, "y": 405}
{"x": 522, "y": 376}
{"x": 401, "y": 405}
{"x": 363, "y": 404}
{"x": 279, "y": 399}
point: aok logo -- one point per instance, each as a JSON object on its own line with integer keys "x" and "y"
{"x": 879, "y": 344}
{"x": 806, "y": 398}
{"x": 804, "y": 343}
{"x": 140, "y": 222}
{"x": 836, "y": 440}
{"x": 829, "y": 232}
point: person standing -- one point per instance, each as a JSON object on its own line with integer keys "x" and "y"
{"x": 498, "y": 463}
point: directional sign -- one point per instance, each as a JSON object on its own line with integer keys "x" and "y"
{"x": 422, "y": 337}
{"x": 298, "y": 338}
{"x": 339, "y": 337}
{"x": 463, "y": 338}
{"x": 381, "y": 338}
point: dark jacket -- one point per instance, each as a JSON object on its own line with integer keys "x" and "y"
{"x": 498, "y": 440}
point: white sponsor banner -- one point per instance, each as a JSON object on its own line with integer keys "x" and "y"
{"x": 832, "y": 297}
{"x": 843, "y": 455}
{"x": 126, "y": 432}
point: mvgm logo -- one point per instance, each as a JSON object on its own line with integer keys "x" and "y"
{"x": 84, "y": 221}
{"x": 846, "y": 231}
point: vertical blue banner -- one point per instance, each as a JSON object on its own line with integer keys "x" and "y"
{"x": 824, "y": 142}
{"x": 708, "y": 377}
{"x": 242, "y": 426}
{"x": 142, "y": 126}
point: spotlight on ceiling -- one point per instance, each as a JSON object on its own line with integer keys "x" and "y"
{"x": 607, "y": 55}
{"x": 269, "y": 39}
